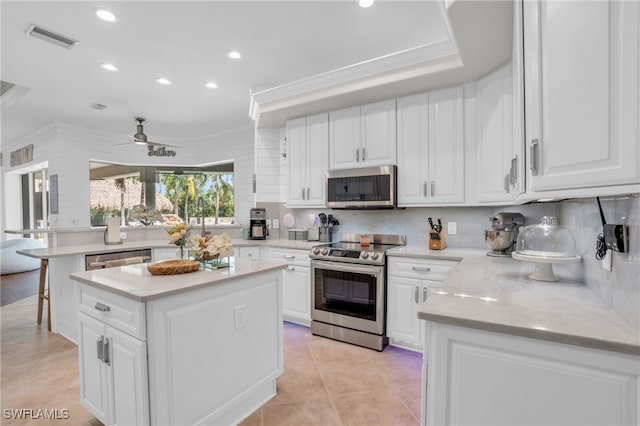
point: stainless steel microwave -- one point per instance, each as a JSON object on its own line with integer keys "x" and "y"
{"x": 362, "y": 188}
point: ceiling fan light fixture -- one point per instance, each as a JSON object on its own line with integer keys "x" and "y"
{"x": 365, "y": 3}
{"x": 233, "y": 54}
{"x": 211, "y": 85}
{"x": 106, "y": 15}
{"x": 109, "y": 67}
{"x": 164, "y": 81}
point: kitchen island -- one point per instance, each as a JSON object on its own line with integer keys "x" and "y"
{"x": 502, "y": 349}
{"x": 198, "y": 348}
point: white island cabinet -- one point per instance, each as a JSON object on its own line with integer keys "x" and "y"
{"x": 198, "y": 348}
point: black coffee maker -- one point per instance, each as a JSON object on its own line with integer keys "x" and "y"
{"x": 258, "y": 224}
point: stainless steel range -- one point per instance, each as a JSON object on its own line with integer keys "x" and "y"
{"x": 348, "y": 297}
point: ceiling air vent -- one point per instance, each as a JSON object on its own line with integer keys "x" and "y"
{"x": 98, "y": 107}
{"x": 51, "y": 37}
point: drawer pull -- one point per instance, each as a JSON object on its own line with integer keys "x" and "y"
{"x": 289, "y": 256}
{"x": 421, "y": 269}
{"x": 102, "y": 307}
{"x": 291, "y": 268}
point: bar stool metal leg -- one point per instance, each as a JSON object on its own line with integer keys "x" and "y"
{"x": 44, "y": 269}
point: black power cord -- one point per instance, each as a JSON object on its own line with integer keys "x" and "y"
{"x": 601, "y": 248}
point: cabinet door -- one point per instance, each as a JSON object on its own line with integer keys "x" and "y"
{"x": 582, "y": 93}
{"x": 494, "y": 105}
{"x": 378, "y": 136}
{"x": 446, "y": 146}
{"x": 344, "y": 138}
{"x": 93, "y": 374}
{"x": 413, "y": 145}
{"x": 297, "y": 161}
{"x": 404, "y": 297}
{"x": 130, "y": 388}
{"x": 317, "y": 159}
{"x": 296, "y": 295}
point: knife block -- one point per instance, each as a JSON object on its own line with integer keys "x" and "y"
{"x": 437, "y": 240}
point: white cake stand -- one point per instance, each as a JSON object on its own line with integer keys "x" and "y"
{"x": 544, "y": 265}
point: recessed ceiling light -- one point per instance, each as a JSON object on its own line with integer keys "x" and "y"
{"x": 365, "y": 3}
{"x": 105, "y": 15}
{"x": 211, "y": 85}
{"x": 109, "y": 67}
{"x": 234, "y": 54}
{"x": 163, "y": 81}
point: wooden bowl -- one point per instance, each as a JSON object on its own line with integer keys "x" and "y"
{"x": 173, "y": 267}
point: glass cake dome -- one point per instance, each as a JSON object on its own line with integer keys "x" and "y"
{"x": 546, "y": 239}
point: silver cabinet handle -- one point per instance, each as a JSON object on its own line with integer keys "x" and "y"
{"x": 100, "y": 348}
{"x": 424, "y": 188}
{"x": 303, "y": 193}
{"x": 416, "y": 295}
{"x": 421, "y": 269}
{"x": 433, "y": 188}
{"x": 533, "y": 153}
{"x": 358, "y": 154}
{"x": 506, "y": 182}
{"x": 425, "y": 291}
{"x": 288, "y": 256}
{"x": 249, "y": 254}
{"x": 255, "y": 183}
{"x": 363, "y": 154}
{"x": 308, "y": 193}
{"x": 105, "y": 352}
{"x": 290, "y": 268}
{"x": 102, "y": 307}
{"x": 514, "y": 170}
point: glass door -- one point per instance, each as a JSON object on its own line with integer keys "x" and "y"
{"x": 35, "y": 203}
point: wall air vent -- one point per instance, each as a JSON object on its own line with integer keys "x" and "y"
{"x": 98, "y": 107}
{"x": 51, "y": 37}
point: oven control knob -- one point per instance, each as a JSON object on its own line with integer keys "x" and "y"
{"x": 325, "y": 251}
{"x": 364, "y": 255}
{"x": 316, "y": 251}
{"x": 375, "y": 256}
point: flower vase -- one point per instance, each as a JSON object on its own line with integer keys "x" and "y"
{"x": 181, "y": 252}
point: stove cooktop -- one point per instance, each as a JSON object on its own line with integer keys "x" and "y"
{"x": 350, "y": 250}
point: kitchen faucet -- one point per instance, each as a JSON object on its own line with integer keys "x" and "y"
{"x": 201, "y": 200}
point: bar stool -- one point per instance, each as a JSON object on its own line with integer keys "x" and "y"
{"x": 44, "y": 269}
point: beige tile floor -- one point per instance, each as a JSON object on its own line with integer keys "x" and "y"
{"x": 325, "y": 382}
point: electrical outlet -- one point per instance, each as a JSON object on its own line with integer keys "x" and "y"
{"x": 606, "y": 262}
{"x": 240, "y": 315}
{"x": 268, "y": 221}
{"x": 452, "y": 228}
{"x": 275, "y": 223}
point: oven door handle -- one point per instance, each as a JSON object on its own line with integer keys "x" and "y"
{"x": 347, "y": 267}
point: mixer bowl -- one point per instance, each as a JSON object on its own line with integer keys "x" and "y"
{"x": 498, "y": 240}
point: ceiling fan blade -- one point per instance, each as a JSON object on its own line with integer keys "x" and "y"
{"x": 124, "y": 143}
{"x": 127, "y": 135}
{"x": 162, "y": 144}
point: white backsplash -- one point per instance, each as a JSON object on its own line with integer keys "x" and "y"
{"x": 619, "y": 288}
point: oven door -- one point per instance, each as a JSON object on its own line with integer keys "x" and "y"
{"x": 348, "y": 295}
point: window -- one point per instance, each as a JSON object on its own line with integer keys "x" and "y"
{"x": 116, "y": 189}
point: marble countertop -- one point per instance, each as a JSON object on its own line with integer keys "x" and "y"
{"x": 135, "y": 282}
{"x": 496, "y": 294}
{"x": 46, "y": 253}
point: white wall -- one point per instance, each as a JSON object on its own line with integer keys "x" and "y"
{"x": 69, "y": 149}
{"x": 268, "y": 170}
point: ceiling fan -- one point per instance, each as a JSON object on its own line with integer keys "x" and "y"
{"x": 141, "y": 139}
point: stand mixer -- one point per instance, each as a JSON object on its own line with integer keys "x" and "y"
{"x": 502, "y": 237}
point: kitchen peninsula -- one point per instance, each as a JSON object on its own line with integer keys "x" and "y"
{"x": 180, "y": 349}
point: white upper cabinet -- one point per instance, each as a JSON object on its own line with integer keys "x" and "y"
{"x": 582, "y": 93}
{"x": 431, "y": 148}
{"x": 497, "y": 158}
{"x": 363, "y": 136}
{"x": 308, "y": 160}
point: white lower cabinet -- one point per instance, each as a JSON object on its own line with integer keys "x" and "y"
{"x": 296, "y": 285}
{"x": 113, "y": 374}
{"x": 487, "y": 378}
{"x": 409, "y": 283}
{"x": 252, "y": 252}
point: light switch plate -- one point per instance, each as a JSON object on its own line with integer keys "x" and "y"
{"x": 275, "y": 223}
{"x": 452, "y": 228}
